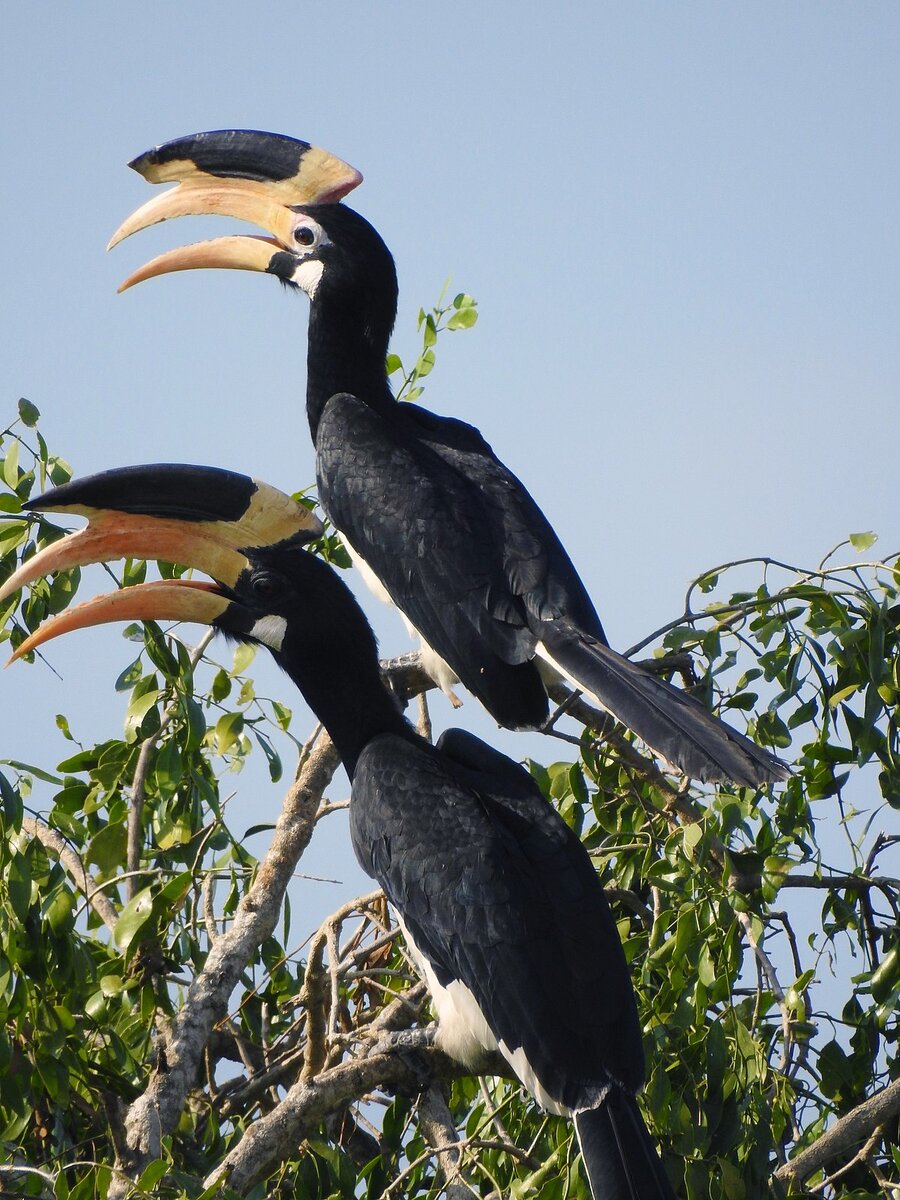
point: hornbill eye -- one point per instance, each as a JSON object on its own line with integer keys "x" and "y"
{"x": 305, "y": 235}
{"x": 265, "y": 587}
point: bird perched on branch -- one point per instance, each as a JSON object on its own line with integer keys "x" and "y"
{"x": 435, "y": 520}
{"x": 497, "y": 898}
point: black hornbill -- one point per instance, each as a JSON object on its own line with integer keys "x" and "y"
{"x": 497, "y": 898}
{"x": 438, "y": 523}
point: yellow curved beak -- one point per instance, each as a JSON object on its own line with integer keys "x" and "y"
{"x": 162, "y": 600}
{"x": 316, "y": 177}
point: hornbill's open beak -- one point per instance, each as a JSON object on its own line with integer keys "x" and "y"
{"x": 254, "y": 176}
{"x": 194, "y": 516}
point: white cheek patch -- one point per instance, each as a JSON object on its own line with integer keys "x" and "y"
{"x": 270, "y": 631}
{"x": 308, "y": 274}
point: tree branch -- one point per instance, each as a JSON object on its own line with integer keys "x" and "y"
{"x": 54, "y": 841}
{"x": 155, "y": 1113}
{"x": 440, "y": 1133}
{"x": 848, "y": 1133}
{"x": 407, "y": 1066}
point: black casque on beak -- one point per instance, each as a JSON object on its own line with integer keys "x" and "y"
{"x": 195, "y": 516}
{"x": 243, "y": 173}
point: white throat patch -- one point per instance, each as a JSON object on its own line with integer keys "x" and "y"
{"x": 308, "y": 274}
{"x": 270, "y": 631}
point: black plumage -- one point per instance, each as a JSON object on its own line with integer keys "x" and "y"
{"x": 497, "y": 897}
{"x": 453, "y": 537}
{"x": 494, "y": 891}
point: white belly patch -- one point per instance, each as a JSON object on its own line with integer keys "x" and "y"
{"x": 464, "y": 1034}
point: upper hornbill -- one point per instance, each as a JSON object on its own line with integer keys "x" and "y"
{"x": 497, "y": 898}
{"x": 438, "y": 523}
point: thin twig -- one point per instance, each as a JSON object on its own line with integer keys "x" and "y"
{"x": 853, "y": 1129}
{"x": 158, "y": 1109}
{"x": 75, "y": 868}
{"x": 775, "y": 987}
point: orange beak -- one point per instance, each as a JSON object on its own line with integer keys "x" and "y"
{"x": 162, "y": 600}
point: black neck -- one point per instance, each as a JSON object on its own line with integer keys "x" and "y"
{"x": 348, "y": 343}
{"x": 334, "y": 663}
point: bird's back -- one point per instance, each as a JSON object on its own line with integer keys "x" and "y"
{"x": 457, "y": 541}
{"x": 499, "y": 894}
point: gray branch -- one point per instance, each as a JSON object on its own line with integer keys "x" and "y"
{"x": 156, "y": 1112}
{"x": 54, "y": 841}
{"x": 846, "y": 1134}
{"x": 407, "y": 1065}
{"x": 439, "y": 1131}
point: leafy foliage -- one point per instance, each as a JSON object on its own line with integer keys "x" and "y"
{"x": 760, "y": 928}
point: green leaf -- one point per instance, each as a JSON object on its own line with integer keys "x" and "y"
{"x": 59, "y": 912}
{"x": 140, "y": 721}
{"x": 862, "y": 541}
{"x": 271, "y": 755}
{"x": 134, "y": 917}
{"x": 9, "y": 466}
{"x": 129, "y": 676}
{"x": 12, "y": 803}
{"x": 107, "y": 848}
{"x": 196, "y": 724}
{"x": 152, "y": 1174}
{"x": 28, "y": 413}
{"x": 220, "y": 687}
{"x": 692, "y": 835}
{"x": 244, "y": 655}
{"x": 35, "y": 771}
{"x": 62, "y": 724}
{"x": 464, "y": 319}
{"x": 228, "y": 729}
{"x": 18, "y": 886}
{"x": 111, "y": 985}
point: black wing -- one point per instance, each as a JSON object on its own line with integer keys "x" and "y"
{"x": 497, "y": 892}
{"x": 468, "y": 556}
{"x": 456, "y": 540}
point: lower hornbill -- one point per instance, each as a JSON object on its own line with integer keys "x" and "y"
{"x": 497, "y": 898}
{"x": 437, "y": 522}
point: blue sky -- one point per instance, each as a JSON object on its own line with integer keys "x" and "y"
{"x": 679, "y": 220}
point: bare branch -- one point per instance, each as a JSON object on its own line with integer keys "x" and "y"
{"x": 156, "y": 1112}
{"x": 835, "y": 883}
{"x": 851, "y": 1131}
{"x": 54, "y": 841}
{"x": 313, "y": 996}
{"x": 768, "y": 969}
{"x": 408, "y": 1066}
{"x": 440, "y": 1133}
{"x": 862, "y": 1155}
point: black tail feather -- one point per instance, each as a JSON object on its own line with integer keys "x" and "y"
{"x": 619, "y": 1155}
{"x": 671, "y": 722}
